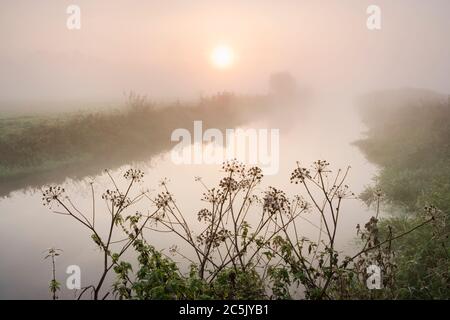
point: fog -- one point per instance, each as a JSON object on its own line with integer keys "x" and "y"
{"x": 33, "y": 228}
{"x": 162, "y": 50}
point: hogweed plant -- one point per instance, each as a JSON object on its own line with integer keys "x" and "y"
{"x": 244, "y": 244}
{"x": 117, "y": 202}
{"x": 54, "y": 285}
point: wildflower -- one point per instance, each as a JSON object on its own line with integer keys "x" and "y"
{"x": 53, "y": 193}
{"x": 299, "y": 175}
{"x": 134, "y": 175}
{"x": 213, "y": 196}
{"x": 163, "y": 182}
{"x": 116, "y": 197}
{"x": 255, "y": 172}
{"x": 204, "y": 215}
{"x": 229, "y": 184}
{"x": 163, "y": 200}
{"x": 275, "y": 200}
{"x": 233, "y": 166}
{"x": 320, "y": 166}
{"x": 344, "y": 192}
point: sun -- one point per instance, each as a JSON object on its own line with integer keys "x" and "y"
{"x": 222, "y": 57}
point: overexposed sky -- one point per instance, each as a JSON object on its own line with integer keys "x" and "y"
{"x": 162, "y": 48}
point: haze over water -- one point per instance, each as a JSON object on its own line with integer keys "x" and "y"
{"x": 163, "y": 50}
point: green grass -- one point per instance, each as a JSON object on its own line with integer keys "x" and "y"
{"x": 32, "y": 145}
{"x": 410, "y": 144}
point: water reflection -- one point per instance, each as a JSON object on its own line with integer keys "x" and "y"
{"x": 28, "y": 228}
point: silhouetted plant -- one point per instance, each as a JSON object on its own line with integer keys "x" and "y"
{"x": 54, "y": 286}
{"x": 117, "y": 201}
{"x": 248, "y": 246}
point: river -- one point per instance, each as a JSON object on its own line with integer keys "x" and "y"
{"x": 325, "y": 130}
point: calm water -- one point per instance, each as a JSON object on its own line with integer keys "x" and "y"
{"x": 27, "y": 228}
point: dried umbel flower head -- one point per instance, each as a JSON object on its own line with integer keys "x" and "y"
{"x": 52, "y": 252}
{"x": 204, "y": 215}
{"x": 117, "y": 198}
{"x": 233, "y": 167}
{"x": 299, "y": 175}
{"x": 301, "y": 203}
{"x": 439, "y": 220}
{"x": 163, "y": 200}
{"x": 229, "y": 184}
{"x": 164, "y": 182}
{"x": 252, "y": 177}
{"x": 52, "y": 194}
{"x": 214, "y": 196}
{"x": 378, "y": 193}
{"x": 344, "y": 192}
{"x": 371, "y": 233}
{"x": 431, "y": 212}
{"x": 215, "y": 238}
{"x": 135, "y": 175}
{"x": 321, "y": 166}
{"x": 275, "y": 200}
{"x": 255, "y": 172}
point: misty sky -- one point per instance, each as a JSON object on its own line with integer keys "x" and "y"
{"x": 162, "y": 48}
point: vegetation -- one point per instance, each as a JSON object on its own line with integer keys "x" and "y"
{"x": 54, "y": 285}
{"x": 410, "y": 144}
{"x": 248, "y": 245}
{"x": 84, "y": 143}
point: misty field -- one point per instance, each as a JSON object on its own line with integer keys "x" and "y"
{"x": 48, "y": 147}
